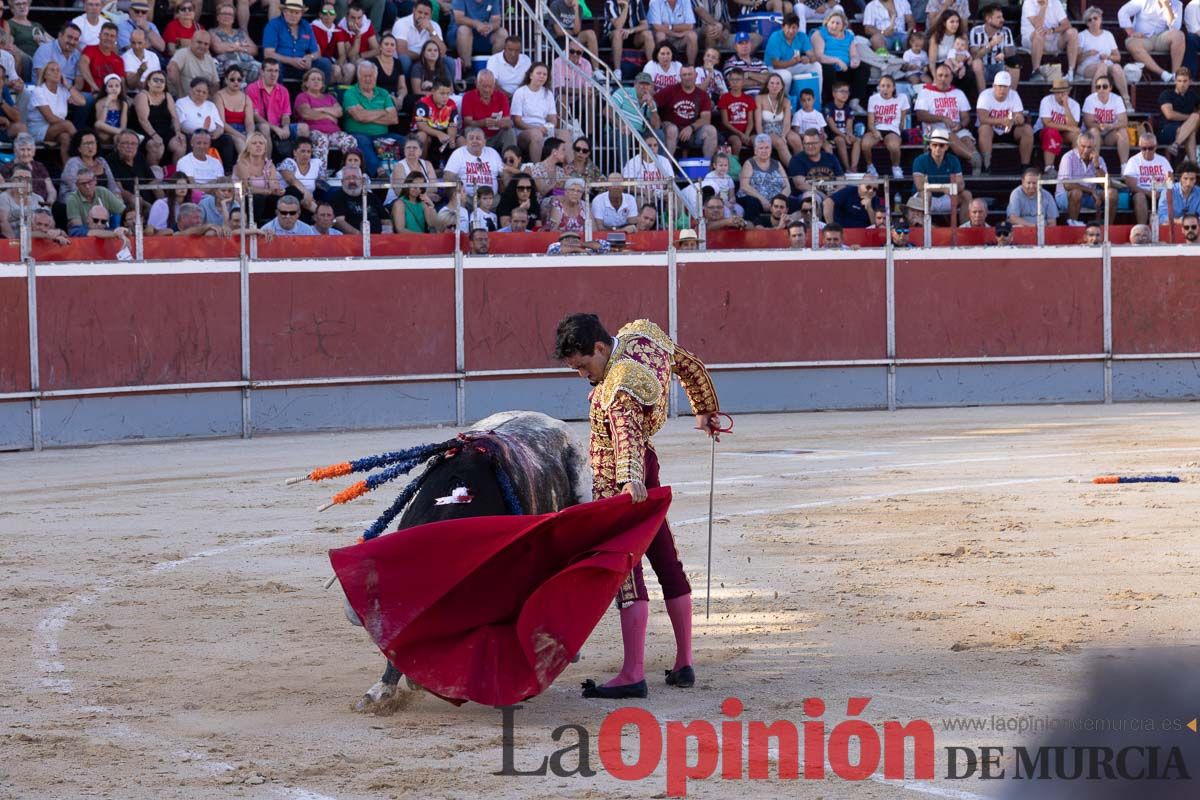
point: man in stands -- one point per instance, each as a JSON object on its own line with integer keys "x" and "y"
{"x": 509, "y": 65}
{"x": 43, "y": 228}
{"x": 363, "y": 43}
{"x": 1002, "y": 119}
{"x": 714, "y": 22}
{"x": 1061, "y": 123}
{"x": 1183, "y": 198}
{"x": 478, "y": 29}
{"x": 941, "y": 105}
{"x": 90, "y": 22}
{"x": 99, "y": 60}
{"x": 348, "y": 204}
{"x": 976, "y": 215}
{"x": 273, "y": 106}
{"x": 199, "y": 164}
{"x": 1145, "y": 173}
{"x": 627, "y": 22}
{"x": 900, "y": 233}
{"x": 615, "y": 209}
{"x": 518, "y": 222}
{"x": 1139, "y": 234}
{"x": 797, "y": 235}
{"x": 814, "y": 164}
{"x": 1084, "y": 161}
{"x": 787, "y": 52}
{"x": 831, "y": 237}
{"x": 413, "y": 31}
{"x": 1093, "y": 235}
{"x": 1023, "y": 202}
{"x": 674, "y": 22}
{"x": 992, "y": 49}
{"x": 1191, "y": 228}
{"x": 139, "y": 19}
{"x": 686, "y": 112}
{"x": 1004, "y": 232}
{"x": 755, "y": 69}
{"x": 287, "y": 219}
{"x": 939, "y": 166}
{"x": 717, "y": 217}
{"x": 84, "y": 199}
{"x": 1154, "y": 26}
{"x": 138, "y": 61}
{"x": 369, "y": 112}
{"x": 851, "y": 206}
{"x": 647, "y": 218}
{"x": 1045, "y": 28}
{"x": 1181, "y": 117}
{"x": 479, "y": 242}
{"x": 64, "y": 50}
{"x": 474, "y": 163}
{"x": 193, "y": 61}
{"x": 484, "y": 107}
{"x": 128, "y": 167}
{"x": 289, "y": 39}
{"x": 324, "y": 219}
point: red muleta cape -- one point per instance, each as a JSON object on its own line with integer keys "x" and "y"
{"x": 492, "y": 609}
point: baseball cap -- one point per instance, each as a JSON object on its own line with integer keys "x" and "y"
{"x": 643, "y": 77}
{"x": 741, "y": 36}
{"x": 900, "y": 226}
{"x": 1004, "y": 227}
{"x": 1002, "y": 79}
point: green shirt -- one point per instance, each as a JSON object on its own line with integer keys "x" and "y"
{"x": 78, "y": 208}
{"x": 379, "y": 101}
{"x": 414, "y": 216}
{"x": 23, "y": 36}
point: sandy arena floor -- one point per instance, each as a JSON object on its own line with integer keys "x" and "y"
{"x": 166, "y": 633}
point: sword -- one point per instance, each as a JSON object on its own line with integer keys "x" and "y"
{"x": 712, "y": 483}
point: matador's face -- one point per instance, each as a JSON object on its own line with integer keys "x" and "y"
{"x": 591, "y": 367}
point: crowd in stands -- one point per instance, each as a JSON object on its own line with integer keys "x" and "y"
{"x": 453, "y": 126}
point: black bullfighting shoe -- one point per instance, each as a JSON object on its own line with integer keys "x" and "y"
{"x": 684, "y": 677}
{"x": 627, "y": 691}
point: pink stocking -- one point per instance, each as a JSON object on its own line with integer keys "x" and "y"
{"x": 679, "y": 609}
{"x": 634, "y": 619}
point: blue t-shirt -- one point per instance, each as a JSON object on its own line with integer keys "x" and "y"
{"x": 277, "y": 35}
{"x": 848, "y": 209}
{"x": 935, "y": 173}
{"x": 478, "y": 10}
{"x": 51, "y": 51}
{"x": 841, "y": 116}
{"x": 125, "y": 30}
{"x": 824, "y": 168}
{"x": 780, "y": 49}
{"x": 837, "y": 48}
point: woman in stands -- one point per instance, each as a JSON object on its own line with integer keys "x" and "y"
{"x": 428, "y": 68}
{"x": 762, "y": 178}
{"x": 233, "y": 46}
{"x": 235, "y": 106}
{"x": 549, "y": 173}
{"x": 47, "y": 120}
{"x": 569, "y": 212}
{"x": 414, "y": 163}
{"x": 834, "y": 49}
{"x": 581, "y": 164}
{"x": 521, "y": 193}
{"x": 1099, "y": 55}
{"x": 534, "y": 111}
{"x": 84, "y": 158}
{"x": 391, "y": 72}
{"x": 772, "y": 113}
{"x": 161, "y": 220}
{"x": 1105, "y": 115}
{"x": 664, "y": 69}
{"x": 322, "y": 111}
{"x": 258, "y": 174}
{"x": 154, "y": 116}
{"x": 941, "y": 45}
{"x": 301, "y": 172}
{"x": 414, "y": 210}
{"x": 182, "y": 28}
{"x": 512, "y": 166}
{"x": 111, "y": 113}
{"x": 24, "y": 155}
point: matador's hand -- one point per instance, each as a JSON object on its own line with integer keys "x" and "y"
{"x": 636, "y": 490}
{"x": 710, "y": 424}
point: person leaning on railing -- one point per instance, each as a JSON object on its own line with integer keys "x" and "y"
{"x": 615, "y": 209}
{"x": 86, "y": 196}
{"x": 1183, "y": 197}
{"x": 42, "y": 226}
{"x": 15, "y": 199}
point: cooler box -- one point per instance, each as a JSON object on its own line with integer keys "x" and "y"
{"x": 762, "y": 23}
{"x": 695, "y": 168}
{"x": 479, "y": 63}
{"x": 802, "y": 81}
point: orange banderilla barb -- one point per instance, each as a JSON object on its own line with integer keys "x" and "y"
{"x": 332, "y": 471}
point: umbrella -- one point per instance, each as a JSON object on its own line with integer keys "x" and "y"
{"x": 492, "y": 609}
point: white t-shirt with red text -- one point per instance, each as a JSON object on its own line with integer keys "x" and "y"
{"x": 1106, "y": 113}
{"x": 949, "y": 104}
{"x": 1148, "y": 172}
{"x": 475, "y": 171}
{"x": 1052, "y": 110}
{"x": 1005, "y": 108}
{"x": 888, "y": 113}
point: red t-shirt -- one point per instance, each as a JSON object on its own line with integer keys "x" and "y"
{"x": 327, "y": 42}
{"x": 474, "y": 107}
{"x": 175, "y": 33}
{"x": 439, "y": 119}
{"x": 740, "y": 110}
{"x": 682, "y": 108}
{"x": 101, "y": 64}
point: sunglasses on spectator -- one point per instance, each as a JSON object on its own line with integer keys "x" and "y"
{"x": 938, "y": 144}
{"x": 579, "y": 149}
{"x": 99, "y": 221}
{"x": 283, "y": 213}
{"x": 1103, "y": 86}
{"x": 1191, "y": 227}
{"x": 524, "y": 188}
{"x": 186, "y": 8}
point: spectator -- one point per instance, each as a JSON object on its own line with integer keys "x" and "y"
{"x": 235, "y": 107}
{"x": 721, "y": 183}
{"x": 191, "y": 62}
{"x": 86, "y": 195}
{"x": 1059, "y": 117}
{"x": 1183, "y": 198}
{"x": 48, "y": 110}
{"x": 534, "y": 112}
{"x": 101, "y": 59}
{"x": 762, "y": 177}
{"x": 111, "y": 112}
{"x": 233, "y": 46}
{"x": 939, "y": 166}
{"x": 484, "y": 107}
{"x": 570, "y": 244}
{"x": 755, "y": 70}
{"x": 717, "y": 217}
{"x": 688, "y": 240}
{"x": 475, "y": 164}
{"x": 833, "y": 47}
{"x": 736, "y": 111}
{"x": 482, "y": 215}
{"x": 90, "y": 22}
{"x": 772, "y": 113}
{"x": 84, "y": 149}
{"x": 813, "y": 164}
{"x": 413, "y": 31}
{"x": 1191, "y": 228}
{"x": 944, "y": 48}
{"x": 510, "y": 66}
{"x": 138, "y": 61}
{"x": 518, "y": 222}
{"x": 1093, "y": 235}
{"x": 323, "y": 219}
{"x": 1099, "y": 55}
{"x": 1105, "y": 117}
{"x": 128, "y": 167}
{"x": 635, "y": 106}
{"x": 1002, "y": 119}
{"x": 43, "y": 226}
{"x": 1084, "y": 162}
{"x": 163, "y": 216}
{"x": 392, "y": 76}
{"x": 674, "y": 22}
{"x": 1045, "y": 28}
{"x": 137, "y": 19}
{"x": 1154, "y": 26}
{"x": 191, "y": 222}
{"x": 437, "y": 122}
{"x": 851, "y": 206}
{"x": 289, "y": 40}
{"x": 414, "y": 210}
{"x": 626, "y": 20}
{"x": 1139, "y": 234}
{"x": 24, "y": 150}
{"x": 568, "y": 212}
{"x": 1004, "y": 233}
{"x": 664, "y": 69}
{"x": 564, "y": 18}
{"x": 572, "y": 74}
{"x": 647, "y": 218}
{"x": 182, "y": 28}
{"x": 371, "y": 111}
{"x": 940, "y": 105}
{"x": 581, "y": 164}
{"x": 977, "y": 213}
{"x": 216, "y": 206}
{"x": 649, "y": 166}
{"x": 99, "y": 225}
{"x": 935, "y": 9}
{"x": 428, "y": 69}
{"x": 887, "y": 23}
{"x": 479, "y": 31}
{"x": 1023, "y": 202}
{"x": 16, "y": 201}
{"x": 686, "y": 113}
{"x": 797, "y": 235}
{"x": 715, "y": 26}
{"x": 992, "y": 48}
{"x": 254, "y": 170}
{"x": 287, "y": 219}
{"x": 900, "y": 240}
{"x": 615, "y": 209}
{"x": 197, "y": 112}
{"x": 839, "y": 122}
{"x": 361, "y": 41}
{"x": 807, "y": 116}
{"x": 352, "y": 204}
{"x": 478, "y": 241}
{"x": 914, "y": 64}
{"x": 1180, "y": 116}
{"x": 300, "y": 174}
{"x": 198, "y": 164}
{"x": 155, "y": 117}
{"x": 64, "y": 51}
{"x": 1145, "y": 173}
{"x": 321, "y": 112}
{"x": 414, "y": 163}
{"x": 789, "y": 52}
{"x": 709, "y": 76}
{"x": 831, "y": 237}
{"x": 26, "y": 34}
{"x": 521, "y": 193}
{"x": 887, "y": 115}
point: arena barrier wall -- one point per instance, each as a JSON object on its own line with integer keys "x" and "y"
{"x": 101, "y": 350}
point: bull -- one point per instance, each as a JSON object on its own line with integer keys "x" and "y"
{"x": 511, "y": 462}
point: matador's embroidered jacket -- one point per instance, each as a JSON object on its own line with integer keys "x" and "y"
{"x": 629, "y": 405}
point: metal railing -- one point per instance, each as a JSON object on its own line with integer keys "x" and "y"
{"x": 837, "y": 183}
